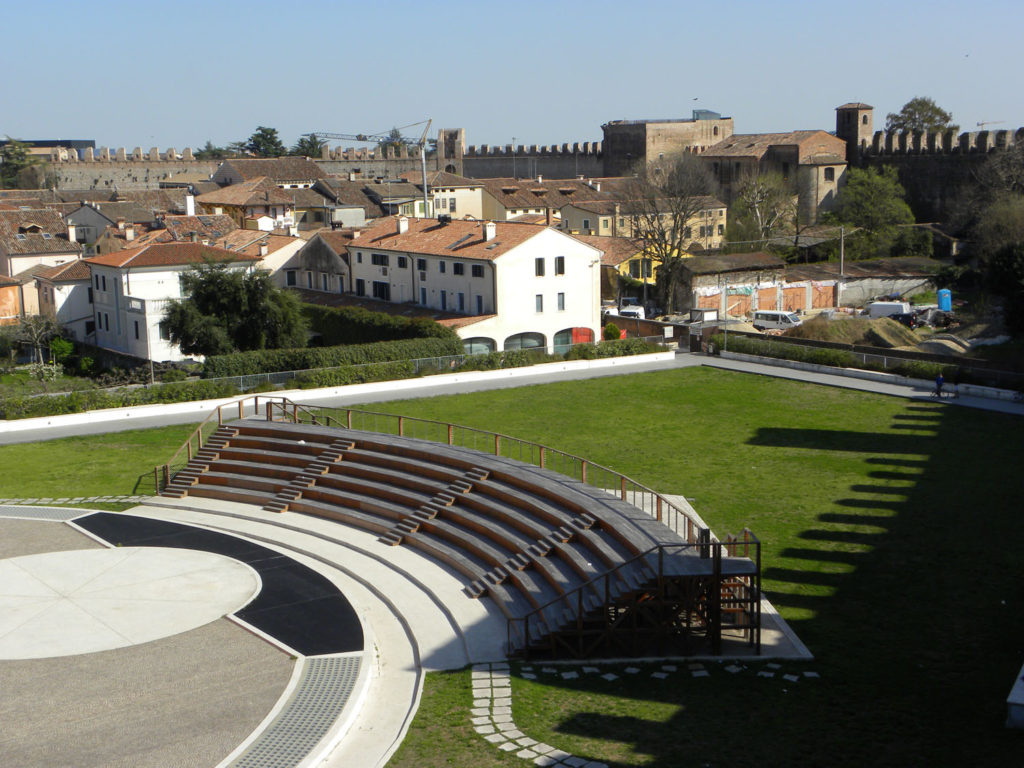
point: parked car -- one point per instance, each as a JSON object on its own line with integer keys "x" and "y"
{"x": 771, "y": 319}
{"x": 908, "y": 319}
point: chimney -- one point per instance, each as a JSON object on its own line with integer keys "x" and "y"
{"x": 597, "y": 186}
{"x": 355, "y": 234}
{"x": 264, "y": 250}
{"x": 351, "y": 176}
{"x": 190, "y": 205}
{"x": 193, "y": 237}
{"x": 120, "y": 223}
{"x": 71, "y": 233}
{"x": 540, "y": 179}
{"x": 490, "y": 230}
{"x": 403, "y": 224}
{"x": 129, "y": 233}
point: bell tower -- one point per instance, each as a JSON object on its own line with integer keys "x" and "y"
{"x": 855, "y": 126}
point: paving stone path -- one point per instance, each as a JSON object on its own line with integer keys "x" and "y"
{"x": 79, "y": 500}
{"x": 491, "y": 714}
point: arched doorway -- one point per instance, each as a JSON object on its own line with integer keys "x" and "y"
{"x": 566, "y": 337}
{"x": 478, "y": 345}
{"x": 525, "y": 341}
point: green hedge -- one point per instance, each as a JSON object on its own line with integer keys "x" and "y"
{"x": 97, "y": 399}
{"x": 337, "y": 377}
{"x": 356, "y": 325}
{"x": 273, "y": 360}
{"x": 612, "y": 348}
{"x": 838, "y": 358}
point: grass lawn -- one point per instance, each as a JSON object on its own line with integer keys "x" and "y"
{"x": 20, "y": 383}
{"x": 892, "y": 545}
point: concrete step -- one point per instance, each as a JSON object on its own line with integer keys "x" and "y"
{"x": 390, "y": 538}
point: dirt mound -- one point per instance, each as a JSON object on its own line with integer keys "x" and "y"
{"x": 882, "y": 332}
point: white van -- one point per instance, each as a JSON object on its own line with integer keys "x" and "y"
{"x": 633, "y": 311}
{"x": 877, "y": 309}
{"x": 771, "y": 319}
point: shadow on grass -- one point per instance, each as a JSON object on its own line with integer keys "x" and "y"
{"x": 912, "y": 602}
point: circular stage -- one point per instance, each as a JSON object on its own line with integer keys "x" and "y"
{"x": 84, "y": 601}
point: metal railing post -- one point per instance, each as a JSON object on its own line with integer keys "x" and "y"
{"x": 451, "y": 434}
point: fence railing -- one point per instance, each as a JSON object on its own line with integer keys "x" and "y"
{"x": 497, "y": 444}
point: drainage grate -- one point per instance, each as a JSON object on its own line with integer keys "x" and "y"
{"x": 327, "y": 683}
{"x": 41, "y": 513}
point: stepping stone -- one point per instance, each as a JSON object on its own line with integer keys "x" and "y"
{"x": 503, "y": 710}
{"x": 811, "y": 674}
{"x": 732, "y": 668}
{"x": 512, "y": 733}
{"x": 481, "y": 703}
{"x": 773, "y": 666}
{"x": 609, "y": 677}
{"x": 591, "y": 670}
{"x": 508, "y": 746}
{"x": 545, "y": 760}
{"x": 631, "y": 670}
{"x": 495, "y": 738}
{"x": 528, "y": 676}
{"x": 499, "y": 719}
{"x": 500, "y": 692}
{"x": 480, "y": 711}
{"x": 593, "y": 764}
{"x": 526, "y": 741}
{"x": 542, "y": 748}
{"x": 575, "y": 762}
{"x": 791, "y": 678}
{"x": 481, "y": 667}
{"x": 659, "y": 675}
{"x": 481, "y": 720}
{"x": 559, "y": 754}
{"x": 502, "y": 668}
{"x": 669, "y": 667}
{"x": 526, "y": 754}
{"x": 570, "y": 675}
{"x": 548, "y": 670}
{"x": 483, "y": 730}
{"x": 480, "y": 675}
{"x": 764, "y": 673}
{"x": 701, "y": 673}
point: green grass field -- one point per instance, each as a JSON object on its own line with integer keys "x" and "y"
{"x": 892, "y": 545}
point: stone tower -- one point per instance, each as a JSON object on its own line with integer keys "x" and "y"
{"x": 855, "y": 126}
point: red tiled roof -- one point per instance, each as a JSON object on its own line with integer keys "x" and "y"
{"x": 71, "y": 272}
{"x": 459, "y": 239}
{"x": 616, "y": 249}
{"x": 168, "y": 255}
{"x": 259, "y": 191}
{"x": 279, "y": 169}
{"x": 757, "y": 144}
{"x": 18, "y": 233}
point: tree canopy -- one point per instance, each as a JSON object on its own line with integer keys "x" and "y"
{"x": 309, "y": 145}
{"x": 660, "y": 201}
{"x": 763, "y": 205}
{"x": 873, "y": 201}
{"x": 230, "y": 310}
{"x": 920, "y": 114}
{"x": 265, "y": 142}
{"x": 14, "y": 161}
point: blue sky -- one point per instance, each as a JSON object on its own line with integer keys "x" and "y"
{"x": 176, "y": 74}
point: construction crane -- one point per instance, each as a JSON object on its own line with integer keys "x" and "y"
{"x": 387, "y": 138}
{"x": 983, "y": 123}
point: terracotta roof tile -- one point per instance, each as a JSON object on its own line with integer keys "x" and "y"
{"x": 616, "y": 249}
{"x": 280, "y": 169}
{"x": 259, "y": 191}
{"x": 38, "y": 230}
{"x": 459, "y": 239}
{"x": 732, "y": 262}
{"x": 71, "y": 272}
{"x": 168, "y": 255}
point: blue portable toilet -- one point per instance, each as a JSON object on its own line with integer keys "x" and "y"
{"x": 945, "y": 300}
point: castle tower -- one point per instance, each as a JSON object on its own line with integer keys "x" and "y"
{"x": 855, "y": 126}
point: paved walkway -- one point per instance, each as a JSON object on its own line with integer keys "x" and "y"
{"x": 77, "y": 500}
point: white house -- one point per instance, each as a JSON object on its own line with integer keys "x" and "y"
{"x": 519, "y": 285}
{"x": 131, "y": 290}
{"x": 65, "y": 292}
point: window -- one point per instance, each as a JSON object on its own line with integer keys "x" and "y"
{"x": 714, "y": 131}
{"x": 359, "y": 257}
{"x": 421, "y": 265}
{"x": 538, "y": 267}
{"x": 379, "y": 259}
{"x": 701, "y": 232}
{"x": 478, "y": 270}
{"x": 539, "y": 302}
{"x": 323, "y": 281}
{"x": 289, "y": 277}
{"x": 864, "y": 119}
{"x": 622, "y": 221}
{"x": 360, "y": 287}
{"x": 104, "y": 278}
{"x": 90, "y": 295}
{"x": 721, "y": 229}
{"x": 561, "y": 302}
{"x": 106, "y": 321}
{"x": 451, "y": 205}
{"x": 444, "y": 300}
{"x": 559, "y": 265}
{"x": 586, "y": 224}
{"x": 462, "y": 302}
{"x": 381, "y": 290}
{"x": 604, "y": 223}
{"x": 309, "y": 279}
{"x": 97, "y": 281}
{"x": 458, "y": 268}
{"x": 442, "y": 203}
{"x": 402, "y": 262}
{"x": 688, "y": 232}
{"x": 90, "y": 328}
{"x": 830, "y": 174}
{"x": 479, "y": 304}
{"x": 136, "y": 330}
{"x": 441, "y": 267}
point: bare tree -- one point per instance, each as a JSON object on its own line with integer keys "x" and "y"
{"x": 36, "y": 331}
{"x": 764, "y": 204}
{"x": 662, "y": 201}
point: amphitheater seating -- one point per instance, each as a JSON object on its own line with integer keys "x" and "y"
{"x": 524, "y": 537}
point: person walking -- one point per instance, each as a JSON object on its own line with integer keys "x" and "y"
{"x": 939, "y": 381}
